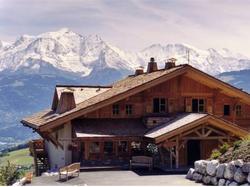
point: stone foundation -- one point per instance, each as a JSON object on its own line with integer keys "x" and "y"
{"x": 227, "y": 174}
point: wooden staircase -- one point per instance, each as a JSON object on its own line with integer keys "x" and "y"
{"x": 37, "y": 150}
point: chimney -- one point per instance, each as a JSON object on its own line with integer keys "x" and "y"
{"x": 170, "y": 63}
{"x": 66, "y": 102}
{"x": 152, "y": 66}
{"x": 139, "y": 71}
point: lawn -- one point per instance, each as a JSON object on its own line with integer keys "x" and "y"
{"x": 19, "y": 157}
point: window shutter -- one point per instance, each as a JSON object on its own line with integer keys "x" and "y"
{"x": 188, "y": 104}
{"x": 210, "y": 105}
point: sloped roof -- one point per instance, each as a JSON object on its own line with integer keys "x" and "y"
{"x": 186, "y": 121}
{"x": 122, "y": 89}
{"x": 108, "y": 127}
{"x": 179, "y": 121}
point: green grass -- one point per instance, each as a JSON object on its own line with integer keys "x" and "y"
{"x": 19, "y": 157}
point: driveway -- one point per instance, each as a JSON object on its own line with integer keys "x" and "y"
{"x": 116, "y": 178}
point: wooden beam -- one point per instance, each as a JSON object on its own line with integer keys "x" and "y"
{"x": 203, "y": 130}
{"x": 198, "y": 133}
{"x": 182, "y": 144}
{"x": 208, "y": 133}
{"x": 177, "y": 153}
{"x": 86, "y": 150}
{"x": 168, "y": 144}
{"x": 216, "y": 131}
{"x": 204, "y": 138}
{"x": 53, "y": 139}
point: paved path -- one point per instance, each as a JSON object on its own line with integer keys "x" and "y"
{"x": 116, "y": 178}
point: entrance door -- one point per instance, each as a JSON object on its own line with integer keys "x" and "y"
{"x": 193, "y": 151}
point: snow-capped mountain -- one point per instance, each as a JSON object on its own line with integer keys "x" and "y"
{"x": 67, "y": 51}
{"x": 210, "y": 60}
{"x": 63, "y": 50}
{"x": 31, "y": 66}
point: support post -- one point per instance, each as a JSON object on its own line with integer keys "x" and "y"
{"x": 86, "y": 150}
{"x": 177, "y": 152}
{"x": 171, "y": 158}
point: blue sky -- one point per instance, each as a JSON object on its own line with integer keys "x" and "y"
{"x": 134, "y": 24}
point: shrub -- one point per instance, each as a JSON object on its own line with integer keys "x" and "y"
{"x": 152, "y": 149}
{"x": 224, "y": 148}
{"x": 215, "y": 154}
{"x": 237, "y": 144}
{"x": 9, "y": 174}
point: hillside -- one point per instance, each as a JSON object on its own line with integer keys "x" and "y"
{"x": 19, "y": 157}
{"x": 239, "y": 79}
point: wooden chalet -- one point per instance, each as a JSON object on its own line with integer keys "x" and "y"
{"x": 183, "y": 111}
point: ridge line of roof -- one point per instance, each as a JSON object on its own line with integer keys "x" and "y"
{"x": 80, "y": 86}
{"x": 144, "y": 73}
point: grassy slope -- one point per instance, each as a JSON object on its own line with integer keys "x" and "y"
{"x": 19, "y": 157}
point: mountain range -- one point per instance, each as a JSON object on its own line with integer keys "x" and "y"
{"x": 31, "y": 66}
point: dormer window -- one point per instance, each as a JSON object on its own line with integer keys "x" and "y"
{"x": 116, "y": 109}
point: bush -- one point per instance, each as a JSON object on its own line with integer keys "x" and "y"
{"x": 215, "y": 154}
{"x": 152, "y": 149}
{"x": 9, "y": 174}
{"x": 224, "y": 148}
{"x": 237, "y": 144}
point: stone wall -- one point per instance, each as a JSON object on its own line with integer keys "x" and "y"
{"x": 226, "y": 174}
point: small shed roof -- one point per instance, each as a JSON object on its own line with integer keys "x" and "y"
{"x": 178, "y": 122}
{"x": 185, "y": 121}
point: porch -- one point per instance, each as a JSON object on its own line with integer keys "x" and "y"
{"x": 106, "y": 142}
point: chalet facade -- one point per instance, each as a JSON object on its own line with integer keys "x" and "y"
{"x": 186, "y": 113}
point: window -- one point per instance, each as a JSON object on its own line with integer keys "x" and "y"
{"x": 108, "y": 148}
{"x": 123, "y": 146}
{"x": 94, "y": 147}
{"x": 129, "y": 109}
{"x": 159, "y": 105}
{"x": 198, "y": 105}
{"x": 238, "y": 110}
{"x": 115, "y": 109}
{"x": 226, "y": 110}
